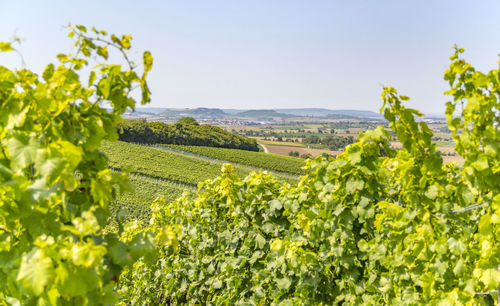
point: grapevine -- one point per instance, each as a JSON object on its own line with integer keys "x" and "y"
{"x": 255, "y": 159}
{"x": 55, "y": 185}
{"x": 376, "y": 225}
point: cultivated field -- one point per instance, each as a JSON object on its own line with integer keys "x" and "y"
{"x": 171, "y": 171}
{"x": 285, "y": 150}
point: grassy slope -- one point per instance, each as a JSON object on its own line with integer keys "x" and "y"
{"x": 162, "y": 164}
{"x": 157, "y": 172}
{"x": 257, "y": 160}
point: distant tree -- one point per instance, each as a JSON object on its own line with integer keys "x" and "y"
{"x": 332, "y": 142}
{"x": 187, "y": 121}
{"x": 186, "y": 131}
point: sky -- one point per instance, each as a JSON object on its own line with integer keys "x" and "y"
{"x": 274, "y": 54}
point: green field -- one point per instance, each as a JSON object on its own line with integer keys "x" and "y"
{"x": 162, "y": 164}
{"x": 254, "y": 159}
{"x": 137, "y": 203}
{"x": 282, "y": 143}
{"x": 157, "y": 171}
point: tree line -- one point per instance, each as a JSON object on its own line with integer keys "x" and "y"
{"x": 333, "y": 143}
{"x": 186, "y": 131}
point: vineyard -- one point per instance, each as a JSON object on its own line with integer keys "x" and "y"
{"x": 254, "y": 159}
{"x": 135, "y": 204}
{"x": 376, "y": 225}
{"x": 157, "y": 172}
{"x": 161, "y": 164}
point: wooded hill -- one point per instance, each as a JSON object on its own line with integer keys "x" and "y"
{"x": 186, "y": 131}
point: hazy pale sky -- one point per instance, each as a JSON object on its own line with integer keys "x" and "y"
{"x": 274, "y": 54}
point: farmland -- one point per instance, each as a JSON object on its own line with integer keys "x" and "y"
{"x": 171, "y": 169}
{"x": 161, "y": 164}
{"x": 285, "y": 150}
{"x": 292, "y": 137}
{"x": 157, "y": 171}
{"x": 254, "y": 159}
{"x": 136, "y": 202}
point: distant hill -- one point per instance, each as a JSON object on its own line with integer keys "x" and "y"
{"x": 261, "y": 113}
{"x": 233, "y": 111}
{"x": 137, "y": 113}
{"x": 358, "y": 113}
{"x": 213, "y": 113}
{"x": 200, "y": 112}
{"x": 315, "y": 112}
{"x": 300, "y": 112}
{"x": 324, "y": 112}
{"x": 150, "y": 110}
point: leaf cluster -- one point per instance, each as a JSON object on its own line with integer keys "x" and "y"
{"x": 55, "y": 185}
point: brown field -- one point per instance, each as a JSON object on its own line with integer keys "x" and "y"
{"x": 283, "y": 150}
{"x": 395, "y": 145}
{"x": 243, "y": 127}
{"x": 279, "y": 143}
{"x": 448, "y": 159}
{"x": 446, "y": 149}
{"x": 355, "y": 135}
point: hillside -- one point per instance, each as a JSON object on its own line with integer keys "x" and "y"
{"x": 334, "y": 113}
{"x": 201, "y": 112}
{"x": 186, "y": 131}
{"x": 217, "y": 113}
{"x": 261, "y": 113}
{"x": 157, "y": 171}
{"x": 150, "y": 110}
{"x": 255, "y": 159}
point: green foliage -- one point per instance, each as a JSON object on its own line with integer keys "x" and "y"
{"x": 158, "y": 172}
{"x": 333, "y": 143}
{"x": 306, "y": 156}
{"x": 195, "y": 272}
{"x": 153, "y": 172}
{"x": 55, "y": 185}
{"x": 135, "y": 204}
{"x": 186, "y": 121}
{"x": 374, "y": 226}
{"x": 255, "y": 159}
{"x": 161, "y": 164}
{"x": 186, "y": 131}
